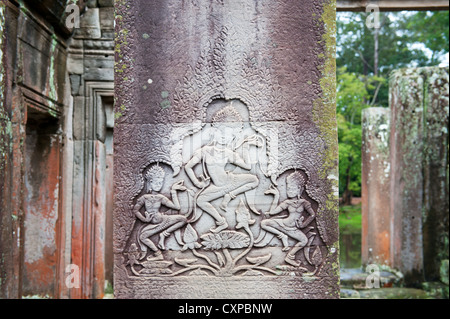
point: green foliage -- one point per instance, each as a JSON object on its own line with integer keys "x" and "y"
{"x": 351, "y": 99}
{"x": 351, "y": 95}
{"x": 397, "y": 38}
{"x": 350, "y": 159}
{"x": 403, "y": 39}
{"x": 431, "y": 29}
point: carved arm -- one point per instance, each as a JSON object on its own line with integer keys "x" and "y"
{"x": 303, "y": 223}
{"x": 140, "y": 202}
{"x": 175, "y": 204}
{"x": 190, "y": 171}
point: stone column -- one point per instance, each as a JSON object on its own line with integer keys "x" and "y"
{"x": 435, "y": 170}
{"x": 419, "y": 171}
{"x": 225, "y": 144}
{"x": 375, "y": 186}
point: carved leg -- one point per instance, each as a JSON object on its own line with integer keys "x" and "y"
{"x": 271, "y": 227}
{"x": 162, "y": 238}
{"x": 157, "y": 256}
{"x": 290, "y": 257}
{"x": 247, "y": 183}
{"x": 221, "y": 225}
{"x": 220, "y": 221}
{"x": 226, "y": 199}
{"x": 145, "y": 239}
{"x": 284, "y": 240}
{"x": 306, "y": 250}
{"x": 175, "y": 228}
{"x": 177, "y": 234}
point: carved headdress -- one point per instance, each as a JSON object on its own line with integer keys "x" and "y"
{"x": 296, "y": 178}
{"x": 155, "y": 172}
{"x": 228, "y": 115}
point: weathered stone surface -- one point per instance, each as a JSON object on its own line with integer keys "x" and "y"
{"x": 375, "y": 187}
{"x": 406, "y": 96}
{"x": 106, "y": 18}
{"x": 91, "y": 65}
{"x": 356, "y": 278}
{"x": 90, "y": 24}
{"x": 435, "y": 170}
{"x": 7, "y": 280}
{"x": 225, "y": 150}
{"x": 41, "y": 209}
{"x": 33, "y": 88}
{"x": 106, "y": 3}
{"x": 419, "y": 171}
{"x": 53, "y": 118}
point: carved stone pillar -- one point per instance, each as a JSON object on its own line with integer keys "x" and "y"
{"x": 225, "y": 150}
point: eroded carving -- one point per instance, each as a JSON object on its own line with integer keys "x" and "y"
{"x": 223, "y": 175}
{"x": 217, "y": 182}
{"x": 155, "y": 222}
{"x": 294, "y": 224}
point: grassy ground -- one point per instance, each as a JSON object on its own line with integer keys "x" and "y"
{"x": 350, "y": 219}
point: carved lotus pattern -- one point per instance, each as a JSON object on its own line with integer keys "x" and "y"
{"x": 225, "y": 239}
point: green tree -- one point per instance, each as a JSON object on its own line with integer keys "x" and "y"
{"x": 352, "y": 97}
{"x": 365, "y": 58}
{"x": 432, "y": 30}
{"x": 357, "y": 43}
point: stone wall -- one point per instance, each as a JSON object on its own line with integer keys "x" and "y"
{"x": 34, "y": 102}
{"x": 56, "y": 86}
{"x": 90, "y": 69}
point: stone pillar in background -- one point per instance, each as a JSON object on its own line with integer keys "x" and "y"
{"x": 419, "y": 171}
{"x": 375, "y": 186}
{"x": 435, "y": 170}
{"x": 225, "y": 143}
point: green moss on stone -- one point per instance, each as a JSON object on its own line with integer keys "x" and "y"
{"x": 324, "y": 107}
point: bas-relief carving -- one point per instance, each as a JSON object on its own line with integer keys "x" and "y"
{"x": 218, "y": 211}
{"x": 237, "y": 193}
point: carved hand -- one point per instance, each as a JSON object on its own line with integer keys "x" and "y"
{"x": 272, "y": 191}
{"x": 179, "y": 186}
{"x": 202, "y": 183}
{"x": 299, "y": 222}
{"x": 148, "y": 216}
